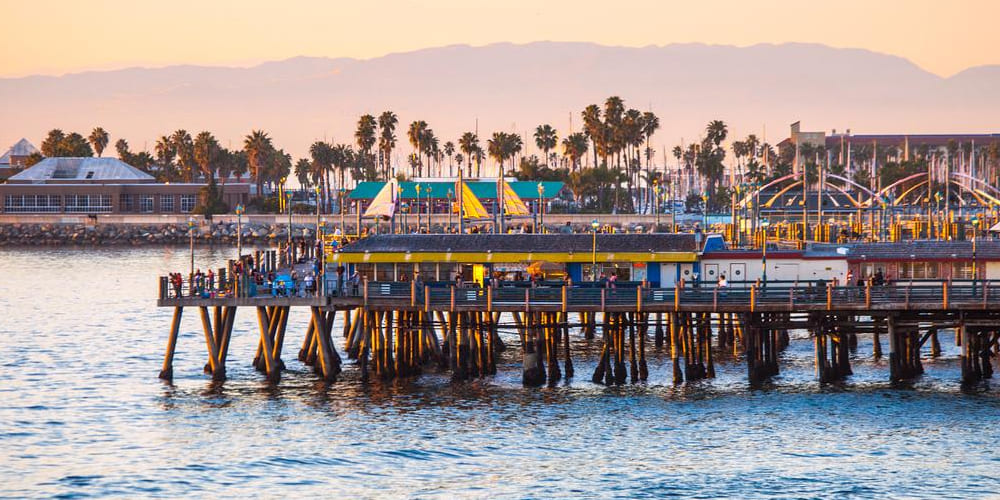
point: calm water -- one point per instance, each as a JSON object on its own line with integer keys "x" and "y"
{"x": 83, "y": 414}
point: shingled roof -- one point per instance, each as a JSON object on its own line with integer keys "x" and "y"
{"x": 524, "y": 243}
{"x": 925, "y": 250}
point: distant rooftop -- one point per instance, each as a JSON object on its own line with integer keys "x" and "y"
{"x": 95, "y": 170}
{"x": 20, "y": 148}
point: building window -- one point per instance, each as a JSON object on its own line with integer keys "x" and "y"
{"x": 961, "y": 270}
{"x": 146, "y": 203}
{"x": 623, "y": 270}
{"x": 21, "y": 203}
{"x": 365, "y": 270}
{"x": 166, "y": 203}
{"x": 187, "y": 203}
{"x": 428, "y": 271}
{"x": 918, "y": 270}
{"x": 125, "y": 203}
{"x": 88, "y": 203}
{"x": 383, "y": 272}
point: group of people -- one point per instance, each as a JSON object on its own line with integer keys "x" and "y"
{"x": 199, "y": 285}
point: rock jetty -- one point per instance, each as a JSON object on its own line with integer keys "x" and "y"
{"x": 134, "y": 234}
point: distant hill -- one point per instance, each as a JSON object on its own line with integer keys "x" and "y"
{"x": 511, "y": 87}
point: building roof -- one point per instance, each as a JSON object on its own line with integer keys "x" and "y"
{"x": 580, "y": 243}
{"x": 20, "y": 148}
{"x": 924, "y": 250}
{"x": 526, "y": 190}
{"x": 81, "y": 169}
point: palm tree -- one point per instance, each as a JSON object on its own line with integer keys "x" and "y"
{"x": 387, "y": 140}
{"x": 259, "y": 149}
{"x": 121, "y": 147}
{"x": 594, "y": 128}
{"x": 495, "y": 147}
{"x": 342, "y": 158}
{"x": 717, "y": 131}
{"x": 165, "y": 159}
{"x": 469, "y": 144}
{"x": 575, "y": 147}
{"x": 431, "y": 149}
{"x": 364, "y": 136}
{"x": 449, "y": 151}
{"x": 303, "y": 172}
{"x": 183, "y": 149}
{"x": 513, "y": 146}
{"x": 417, "y": 133}
{"x": 322, "y": 162}
{"x": 546, "y": 139}
{"x": 99, "y": 140}
{"x": 206, "y": 151}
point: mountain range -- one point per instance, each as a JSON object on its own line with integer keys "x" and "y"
{"x": 757, "y": 89}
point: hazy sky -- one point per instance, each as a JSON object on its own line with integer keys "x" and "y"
{"x": 56, "y": 37}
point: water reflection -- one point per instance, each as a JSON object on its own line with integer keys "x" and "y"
{"x": 84, "y": 414}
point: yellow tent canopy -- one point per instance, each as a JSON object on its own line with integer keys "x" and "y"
{"x": 472, "y": 208}
{"x": 512, "y": 203}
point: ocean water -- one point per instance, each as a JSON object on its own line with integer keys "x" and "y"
{"x": 83, "y": 414}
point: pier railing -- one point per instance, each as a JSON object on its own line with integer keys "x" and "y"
{"x": 787, "y": 296}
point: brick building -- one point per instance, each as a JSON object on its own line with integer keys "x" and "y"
{"x": 102, "y": 186}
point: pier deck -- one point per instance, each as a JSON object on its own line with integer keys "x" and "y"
{"x": 395, "y": 329}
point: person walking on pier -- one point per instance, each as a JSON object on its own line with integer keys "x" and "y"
{"x": 310, "y": 284}
{"x": 340, "y": 281}
{"x": 355, "y": 282}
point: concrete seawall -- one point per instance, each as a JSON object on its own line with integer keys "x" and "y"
{"x": 60, "y": 229}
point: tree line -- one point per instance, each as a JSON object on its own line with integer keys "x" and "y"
{"x": 608, "y": 166}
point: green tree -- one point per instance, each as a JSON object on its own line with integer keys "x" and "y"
{"x": 58, "y": 144}
{"x": 99, "y": 140}
{"x": 259, "y": 149}
{"x": 320, "y": 168}
{"x": 546, "y": 139}
{"x": 575, "y": 147}
{"x": 594, "y": 128}
{"x": 449, "y": 151}
{"x": 387, "y": 140}
{"x": 303, "y": 173}
{"x": 52, "y": 144}
{"x": 469, "y": 144}
{"x": 206, "y": 153}
{"x": 184, "y": 150}
{"x": 365, "y": 137}
{"x": 166, "y": 171}
{"x": 417, "y": 134}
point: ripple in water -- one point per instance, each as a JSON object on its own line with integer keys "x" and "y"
{"x": 84, "y": 415}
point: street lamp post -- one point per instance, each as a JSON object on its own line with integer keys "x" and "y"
{"x": 763, "y": 260}
{"x": 704, "y": 211}
{"x": 191, "y": 237}
{"x": 975, "y": 270}
{"x": 343, "y": 223}
{"x": 541, "y": 209}
{"x": 450, "y": 195}
{"x": 656, "y": 202}
{"x": 419, "y": 220}
{"x": 593, "y": 253}
{"x": 429, "y": 211}
{"x": 317, "y": 215}
{"x": 288, "y": 196}
{"x": 239, "y": 231}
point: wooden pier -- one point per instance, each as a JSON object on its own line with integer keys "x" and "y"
{"x": 398, "y": 329}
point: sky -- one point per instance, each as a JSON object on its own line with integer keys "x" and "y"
{"x": 55, "y": 37}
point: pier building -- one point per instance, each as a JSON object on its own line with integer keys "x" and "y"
{"x": 396, "y": 328}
